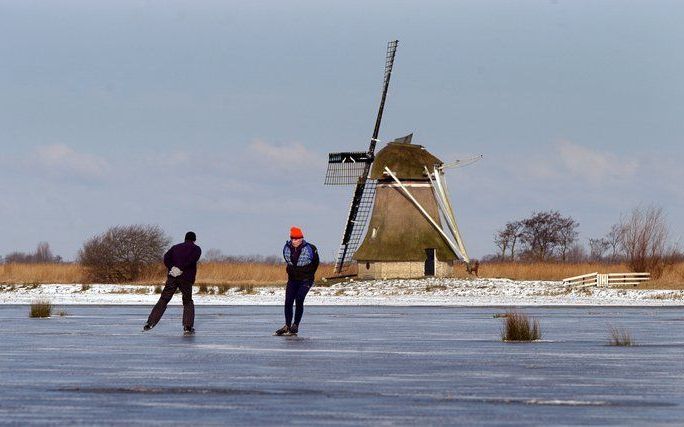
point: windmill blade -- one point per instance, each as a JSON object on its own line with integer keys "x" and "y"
{"x": 359, "y": 204}
{"x": 461, "y": 162}
{"x": 443, "y": 196}
{"x": 357, "y": 228}
{"x": 346, "y": 168}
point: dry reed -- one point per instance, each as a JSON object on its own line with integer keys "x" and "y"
{"x": 519, "y": 327}
{"x": 620, "y": 337}
{"x": 41, "y": 308}
{"x": 219, "y": 273}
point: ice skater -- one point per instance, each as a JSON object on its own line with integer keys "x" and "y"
{"x": 181, "y": 263}
{"x": 302, "y": 261}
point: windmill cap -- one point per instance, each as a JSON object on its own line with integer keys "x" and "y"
{"x": 296, "y": 233}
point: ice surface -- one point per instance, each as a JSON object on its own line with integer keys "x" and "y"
{"x": 350, "y": 366}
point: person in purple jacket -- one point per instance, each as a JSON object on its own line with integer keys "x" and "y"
{"x": 181, "y": 263}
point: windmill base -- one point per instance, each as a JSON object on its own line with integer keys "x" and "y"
{"x": 403, "y": 269}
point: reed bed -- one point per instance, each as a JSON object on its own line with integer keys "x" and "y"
{"x": 41, "y": 273}
{"x": 519, "y": 327}
{"x": 42, "y": 308}
{"x": 259, "y": 274}
{"x": 620, "y": 337}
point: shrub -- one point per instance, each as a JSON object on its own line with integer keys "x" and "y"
{"x": 644, "y": 238}
{"x": 123, "y": 253}
{"x": 40, "y": 309}
{"x": 519, "y": 327}
{"x": 620, "y": 337}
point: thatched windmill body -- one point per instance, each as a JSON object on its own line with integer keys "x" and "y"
{"x": 406, "y": 237}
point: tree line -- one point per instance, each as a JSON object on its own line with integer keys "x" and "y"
{"x": 641, "y": 239}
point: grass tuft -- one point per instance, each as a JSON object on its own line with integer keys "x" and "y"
{"x": 158, "y": 289}
{"x": 41, "y": 308}
{"x": 519, "y": 327}
{"x": 203, "y": 289}
{"x": 85, "y": 287}
{"x": 620, "y": 337}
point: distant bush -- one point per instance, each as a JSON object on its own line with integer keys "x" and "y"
{"x": 519, "y": 327}
{"x": 40, "y": 309}
{"x": 123, "y": 253}
{"x": 42, "y": 255}
{"x": 216, "y": 255}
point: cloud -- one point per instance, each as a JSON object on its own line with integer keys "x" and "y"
{"x": 285, "y": 156}
{"x": 60, "y": 159}
{"x": 593, "y": 165}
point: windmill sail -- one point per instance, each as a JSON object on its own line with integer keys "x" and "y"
{"x": 346, "y": 168}
{"x": 343, "y": 172}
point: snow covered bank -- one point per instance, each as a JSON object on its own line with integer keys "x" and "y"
{"x": 481, "y": 292}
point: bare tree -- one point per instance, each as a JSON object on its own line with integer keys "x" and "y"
{"x": 576, "y": 253}
{"x": 502, "y": 240}
{"x": 121, "y": 253}
{"x": 614, "y": 239}
{"x": 644, "y": 239}
{"x": 598, "y": 247}
{"x": 508, "y": 237}
{"x": 540, "y": 234}
{"x": 567, "y": 234}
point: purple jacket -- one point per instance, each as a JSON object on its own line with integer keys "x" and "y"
{"x": 184, "y": 256}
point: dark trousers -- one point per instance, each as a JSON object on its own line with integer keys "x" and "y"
{"x": 173, "y": 283}
{"x": 295, "y": 293}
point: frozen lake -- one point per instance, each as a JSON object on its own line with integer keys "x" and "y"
{"x": 349, "y": 366}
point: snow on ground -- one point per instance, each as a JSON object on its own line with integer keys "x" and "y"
{"x": 420, "y": 292}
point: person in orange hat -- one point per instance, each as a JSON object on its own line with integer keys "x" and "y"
{"x": 302, "y": 261}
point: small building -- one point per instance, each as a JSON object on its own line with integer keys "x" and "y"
{"x": 400, "y": 242}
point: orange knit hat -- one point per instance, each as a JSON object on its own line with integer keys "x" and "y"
{"x": 296, "y": 233}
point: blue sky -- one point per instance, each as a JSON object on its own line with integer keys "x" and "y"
{"x": 218, "y": 116}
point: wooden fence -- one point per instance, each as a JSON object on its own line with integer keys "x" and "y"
{"x": 608, "y": 279}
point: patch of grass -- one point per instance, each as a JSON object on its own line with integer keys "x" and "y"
{"x": 432, "y": 288}
{"x": 620, "y": 337}
{"x": 339, "y": 292}
{"x": 203, "y": 289}
{"x": 158, "y": 289}
{"x": 40, "y": 308}
{"x": 222, "y": 289}
{"x": 85, "y": 287}
{"x": 142, "y": 290}
{"x": 519, "y": 327}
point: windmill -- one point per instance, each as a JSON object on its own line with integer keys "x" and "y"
{"x": 352, "y": 168}
{"x": 404, "y": 192}
{"x": 406, "y": 237}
